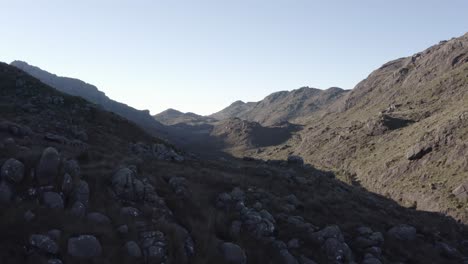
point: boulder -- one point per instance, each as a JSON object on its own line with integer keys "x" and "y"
{"x": 84, "y": 246}
{"x": 6, "y": 192}
{"x": 67, "y": 184}
{"x": 48, "y": 166}
{"x": 127, "y": 186}
{"x": 53, "y": 200}
{"x": 154, "y": 245}
{"x": 81, "y": 192}
{"x": 402, "y": 232}
{"x": 98, "y": 218}
{"x": 44, "y": 243}
{"x": 12, "y": 171}
{"x": 418, "y": 150}
{"x": 123, "y": 229}
{"x": 295, "y": 160}
{"x": 29, "y": 216}
{"x": 461, "y": 192}
{"x": 132, "y": 249}
{"x": 73, "y": 168}
{"x": 54, "y": 261}
{"x": 129, "y": 212}
{"x": 78, "y": 209}
{"x": 233, "y": 254}
{"x": 54, "y": 234}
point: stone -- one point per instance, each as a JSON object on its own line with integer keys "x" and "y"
{"x": 237, "y": 194}
{"x": 78, "y": 210}
{"x": 336, "y": 250}
{"x": 98, "y": 218}
{"x": 127, "y": 186}
{"x": 295, "y": 160}
{"x": 371, "y": 260}
{"x": 287, "y": 258}
{"x": 233, "y": 254}
{"x": 44, "y": 243}
{"x": 6, "y": 192}
{"x": 81, "y": 193}
{"x": 55, "y": 234}
{"x": 53, "y": 200}
{"x": 235, "y": 229}
{"x": 67, "y": 184}
{"x": 447, "y": 250}
{"x": 402, "y": 232}
{"x": 461, "y": 192}
{"x": 132, "y": 249}
{"x": 84, "y": 246}
{"x": 294, "y": 243}
{"x": 29, "y": 216}
{"x": 129, "y": 211}
{"x": 123, "y": 229}
{"x": 12, "y": 171}
{"x": 54, "y": 261}
{"x": 48, "y": 166}
{"x": 418, "y": 150}
{"x": 73, "y": 168}
{"x": 306, "y": 260}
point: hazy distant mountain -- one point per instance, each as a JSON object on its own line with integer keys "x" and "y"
{"x": 91, "y": 93}
{"x": 172, "y": 117}
{"x": 283, "y": 106}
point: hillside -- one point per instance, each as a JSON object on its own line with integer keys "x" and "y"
{"x": 91, "y": 93}
{"x": 402, "y": 132}
{"x": 83, "y": 185}
{"x": 171, "y": 117}
{"x": 284, "y": 106}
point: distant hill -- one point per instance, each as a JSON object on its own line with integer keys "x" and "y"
{"x": 172, "y": 117}
{"x": 283, "y": 106}
{"x": 91, "y": 93}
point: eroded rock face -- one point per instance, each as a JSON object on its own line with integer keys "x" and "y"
{"x": 232, "y": 253}
{"x": 84, "y": 246}
{"x": 48, "y": 166}
{"x": 12, "y": 170}
{"x": 418, "y": 151}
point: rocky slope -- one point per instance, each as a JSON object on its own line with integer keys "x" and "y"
{"x": 91, "y": 93}
{"x": 402, "y": 132}
{"x": 171, "y": 117}
{"x": 284, "y": 106}
{"x": 82, "y": 185}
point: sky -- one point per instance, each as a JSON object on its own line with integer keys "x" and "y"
{"x": 202, "y": 55}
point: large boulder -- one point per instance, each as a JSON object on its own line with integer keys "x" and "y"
{"x": 232, "y": 253}
{"x": 48, "y": 166}
{"x": 461, "y": 192}
{"x": 53, "y": 200}
{"x": 44, "y": 243}
{"x": 84, "y": 246}
{"x": 127, "y": 186}
{"x": 98, "y": 218}
{"x": 12, "y": 170}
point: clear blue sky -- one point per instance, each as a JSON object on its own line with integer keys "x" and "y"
{"x": 201, "y": 55}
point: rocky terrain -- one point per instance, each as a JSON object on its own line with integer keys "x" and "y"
{"x": 92, "y": 94}
{"x": 83, "y": 185}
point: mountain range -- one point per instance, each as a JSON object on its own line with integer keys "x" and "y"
{"x": 376, "y": 174}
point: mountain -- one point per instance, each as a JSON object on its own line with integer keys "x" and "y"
{"x": 79, "y": 184}
{"x": 402, "y": 132}
{"x": 236, "y": 109}
{"x": 283, "y": 106}
{"x": 172, "y": 117}
{"x": 91, "y": 93}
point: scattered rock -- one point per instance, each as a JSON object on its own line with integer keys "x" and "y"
{"x": 47, "y": 169}
{"x": 154, "y": 245}
{"x": 44, "y": 243}
{"x": 53, "y": 200}
{"x": 233, "y": 254}
{"x": 81, "y": 192}
{"x": 13, "y": 171}
{"x": 133, "y": 250}
{"x": 84, "y": 246}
